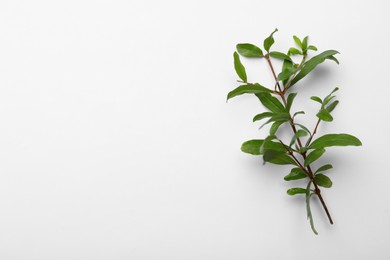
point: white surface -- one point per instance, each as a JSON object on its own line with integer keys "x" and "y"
{"x": 116, "y": 141}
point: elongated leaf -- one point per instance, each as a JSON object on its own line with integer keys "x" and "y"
{"x": 313, "y": 156}
{"x": 290, "y": 100}
{"x": 309, "y": 215}
{"x": 335, "y": 140}
{"x": 333, "y": 58}
{"x": 280, "y": 55}
{"x": 247, "y": 89}
{"x": 277, "y": 117}
{"x": 295, "y": 191}
{"x": 332, "y": 106}
{"x": 312, "y": 63}
{"x": 300, "y": 133}
{"x": 297, "y": 41}
{"x": 323, "y": 180}
{"x": 271, "y": 102}
{"x": 269, "y": 41}
{"x": 252, "y": 146}
{"x": 324, "y": 115}
{"x": 287, "y": 68}
{"x": 313, "y": 48}
{"x": 294, "y": 51}
{"x": 276, "y": 157}
{"x": 295, "y": 174}
{"x": 271, "y": 145}
{"x": 249, "y": 50}
{"x": 275, "y": 126}
{"x": 285, "y": 74}
{"x": 315, "y": 98}
{"x": 262, "y": 116}
{"x": 329, "y": 97}
{"x": 303, "y": 127}
{"x": 324, "y": 168}
{"x": 240, "y": 69}
{"x": 304, "y": 44}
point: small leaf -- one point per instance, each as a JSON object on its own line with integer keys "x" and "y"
{"x": 276, "y": 157}
{"x": 333, "y": 58}
{"x": 290, "y": 100}
{"x": 299, "y": 113}
{"x": 287, "y": 71}
{"x": 247, "y": 89}
{"x": 240, "y": 69}
{"x": 271, "y": 102}
{"x": 324, "y": 115}
{"x": 249, "y": 50}
{"x": 279, "y": 55}
{"x": 295, "y": 174}
{"x": 294, "y": 51}
{"x": 252, "y": 147}
{"x": 274, "y": 127}
{"x": 323, "y": 180}
{"x": 332, "y": 106}
{"x": 304, "y": 44}
{"x": 300, "y": 133}
{"x": 297, "y": 41}
{"x": 269, "y": 41}
{"x": 324, "y": 168}
{"x": 294, "y": 191}
{"x": 313, "y": 156}
{"x": 285, "y": 74}
{"x": 315, "y": 98}
{"x": 313, "y": 48}
{"x": 335, "y": 140}
{"x": 309, "y": 215}
{"x": 262, "y": 116}
{"x": 312, "y": 63}
{"x": 303, "y": 127}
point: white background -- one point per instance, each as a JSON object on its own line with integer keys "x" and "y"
{"x": 116, "y": 141}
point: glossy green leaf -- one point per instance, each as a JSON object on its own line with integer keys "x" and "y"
{"x": 303, "y": 127}
{"x": 323, "y": 180}
{"x": 295, "y": 174}
{"x": 335, "y": 140}
{"x": 276, "y": 157}
{"x": 294, "y": 51}
{"x": 287, "y": 70}
{"x": 315, "y": 98}
{"x": 313, "y": 156}
{"x": 249, "y": 50}
{"x": 297, "y": 41}
{"x": 247, "y": 89}
{"x": 252, "y": 146}
{"x": 271, "y": 145}
{"x": 262, "y": 116}
{"x": 333, "y": 58}
{"x": 304, "y": 43}
{"x": 269, "y": 41}
{"x": 332, "y": 106}
{"x": 312, "y": 47}
{"x": 324, "y": 168}
{"x": 300, "y": 133}
{"x": 279, "y": 55}
{"x": 312, "y": 63}
{"x": 324, "y": 115}
{"x": 290, "y": 100}
{"x": 275, "y": 126}
{"x": 295, "y": 191}
{"x": 240, "y": 69}
{"x": 271, "y": 102}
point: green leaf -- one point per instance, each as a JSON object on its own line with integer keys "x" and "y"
{"x": 269, "y": 41}
{"x": 312, "y": 63}
{"x": 300, "y": 133}
{"x": 276, "y": 157}
{"x": 315, "y": 98}
{"x": 287, "y": 71}
{"x": 274, "y": 127}
{"x": 312, "y": 47}
{"x": 313, "y": 156}
{"x": 271, "y": 102}
{"x": 290, "y": 100}
{"x": 249, "y": 50}
{"x": 335, "y": 140}
{"x": 279, "y": 55}
{"x": 285, "y": 74}
{"x": 297, "y": 41}
{"x": 247, "y": 89}
{"x": 262, "y": 116}
{"x": 298, "y": 113}
{"x": 333, "y": 58}
{"x": 294, "y": 191}
{"x": 252, "y": 146}
{"x": 270, "y": 145}
{"x": 295, "y": 174}
{"x": 324, "y": 115}
{"x": 324, "y": 168}
{"x": 323, "y": 180}
{"x": 332, "y": 106}
{"x": 309, "y": 215}
{"x": 303, "y": 127}
{"x": 240, "y": 69}
{"x": 294, "y": 51}
{"x": 304, "y": 44}
{"x": 329, "y": 97}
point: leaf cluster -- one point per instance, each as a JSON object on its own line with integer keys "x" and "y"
{"x": 303, "y": 149}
